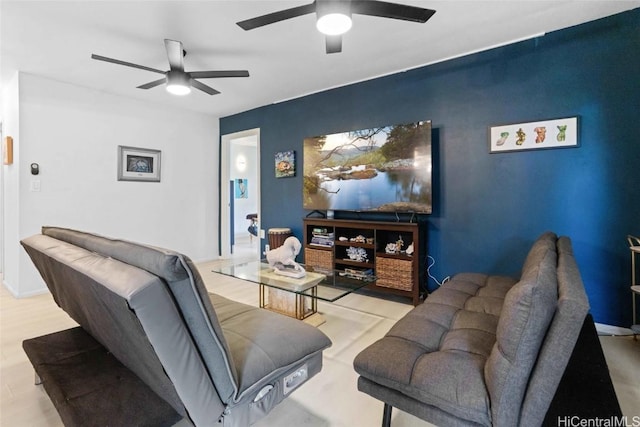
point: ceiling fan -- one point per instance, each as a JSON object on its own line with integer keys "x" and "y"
{"x": 178, "y": 81}
{"x": 334, "y": 16}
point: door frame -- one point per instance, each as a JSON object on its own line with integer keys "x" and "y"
{"x": 224, "y": 246}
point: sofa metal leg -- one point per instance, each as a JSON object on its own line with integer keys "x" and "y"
{"x": 386, "y": 415}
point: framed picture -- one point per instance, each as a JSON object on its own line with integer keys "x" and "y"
{"x": 138, "y": 164}
{"x": 554, "y": 133}
{"x": 285, "y": 164}
{"x": 241, "y": 189}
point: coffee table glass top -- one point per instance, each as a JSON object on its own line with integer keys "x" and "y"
{"x": 315, "y": 284}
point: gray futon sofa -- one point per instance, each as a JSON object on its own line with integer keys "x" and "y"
{"x": 483, "y": 350}
{"x": 154, "y": 346}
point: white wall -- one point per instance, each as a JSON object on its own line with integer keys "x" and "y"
{"x": 73, "y": 134}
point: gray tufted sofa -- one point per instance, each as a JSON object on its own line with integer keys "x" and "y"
{"x": 155, "y": 347}
{"x": 483, "y": 350}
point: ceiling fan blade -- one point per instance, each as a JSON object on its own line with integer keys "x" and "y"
{"x": 153, "y": 84}
{"x": 203, "y": 87}
{"x": 218, "y": 74}
{"x": 271, "y": 18}
{"x": 174, "y": 54}
{"x": 127, "y": 64}
{"x": 334, "y": 44}
{"x": 391, "y": 10}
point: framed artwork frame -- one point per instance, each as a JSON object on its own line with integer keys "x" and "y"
{"x": 285, "y": 164}
{"x": 542, "y": 134}
{"x": 241, "y": 188}
{"x": 138, "y": 164}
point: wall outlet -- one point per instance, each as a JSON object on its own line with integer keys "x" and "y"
{"x": 262, "y": 233}
{"x": 267, "y": 248}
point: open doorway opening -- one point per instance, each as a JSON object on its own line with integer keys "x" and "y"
{"x": 240, "y": 195}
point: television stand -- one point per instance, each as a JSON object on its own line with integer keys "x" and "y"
{"x": 388, "y": 251}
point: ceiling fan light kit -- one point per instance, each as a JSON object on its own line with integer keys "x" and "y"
{"x": 333, "y": 17}
{"x": 178, "y": 83}
{"x": 179, "y": 90}
{"x": 334, "y": 24}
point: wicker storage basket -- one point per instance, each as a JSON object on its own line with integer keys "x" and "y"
{"x": 394, "y": 273}
{"x": 318, "y": 258}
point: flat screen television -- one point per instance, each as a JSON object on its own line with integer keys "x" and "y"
{"x": 382, "y": 169}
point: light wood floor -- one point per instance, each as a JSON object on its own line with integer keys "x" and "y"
{"x": 328, "y": 399}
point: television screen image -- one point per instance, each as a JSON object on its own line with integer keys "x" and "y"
{"x": 383, "y": 169}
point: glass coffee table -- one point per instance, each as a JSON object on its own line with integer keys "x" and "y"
{"x": 297, "y": 298}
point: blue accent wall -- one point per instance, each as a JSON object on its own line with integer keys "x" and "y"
{"x": 489, "y": 208}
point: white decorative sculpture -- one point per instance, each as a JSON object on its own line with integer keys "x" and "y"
{"x": 282, "y": 259}
{"x": 357, "y": 254}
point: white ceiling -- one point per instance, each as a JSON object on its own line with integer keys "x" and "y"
{"x": 55, "y": 39}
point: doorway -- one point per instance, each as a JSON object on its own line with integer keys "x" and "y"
{"x": 240, "y": 195}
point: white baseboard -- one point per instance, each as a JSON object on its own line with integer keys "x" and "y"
{"x": 612, "y": 330}
{"x": 18, "y": 295}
